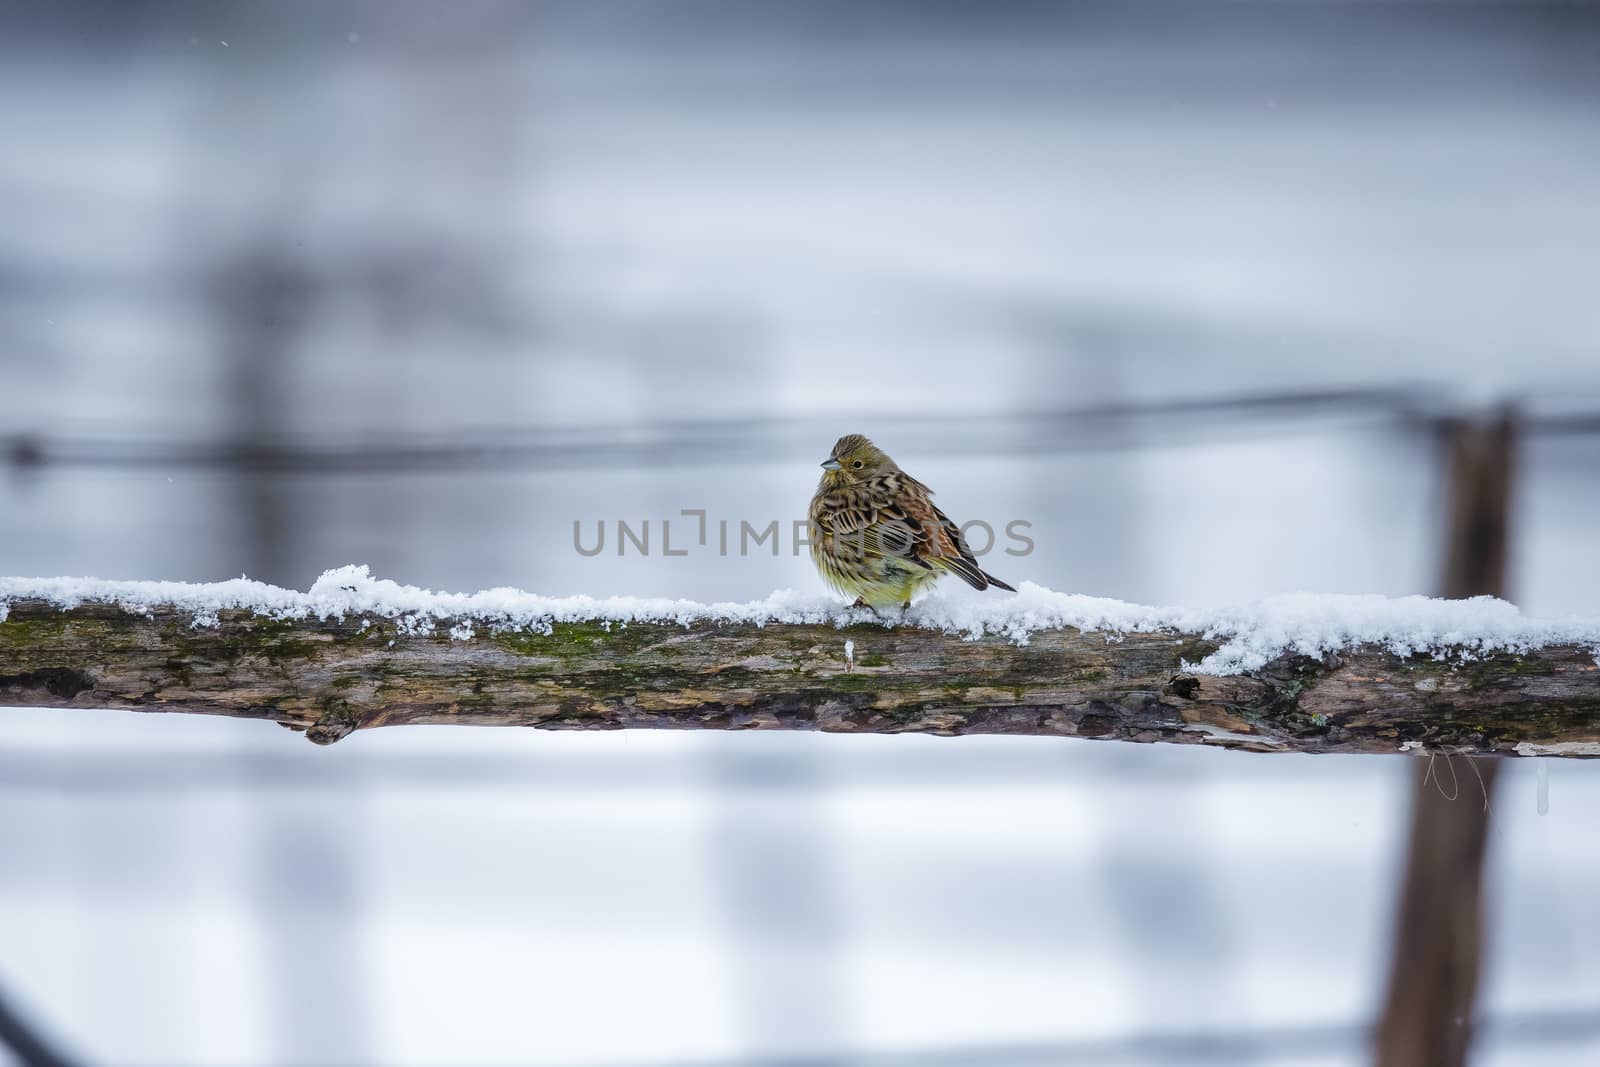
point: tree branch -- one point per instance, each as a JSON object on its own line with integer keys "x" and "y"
{"x": 330, "y": 677}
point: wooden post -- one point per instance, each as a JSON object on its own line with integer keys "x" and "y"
{"x": 1433, "y": 978}
{"x": 26, "y": 1046}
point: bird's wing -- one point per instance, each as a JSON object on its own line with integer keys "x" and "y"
{"x": 872, "y": 523}
{"x": 895, "y": 516}
{"x": 940, "y": 543}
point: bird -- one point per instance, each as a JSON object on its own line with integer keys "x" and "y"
{"x": 876, "y": 533}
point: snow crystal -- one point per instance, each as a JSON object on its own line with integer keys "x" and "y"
{"x": 1248, "y": 637}
{"x": 414, "y": 625}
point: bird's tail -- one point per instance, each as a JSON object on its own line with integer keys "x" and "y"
{"x": 997, "y": 583}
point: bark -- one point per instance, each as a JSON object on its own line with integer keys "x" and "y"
{"x": 333, "y": 677}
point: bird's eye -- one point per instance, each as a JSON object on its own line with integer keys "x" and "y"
{"x": 858, "y": 464}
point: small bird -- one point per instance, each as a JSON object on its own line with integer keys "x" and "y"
{"x": 876, "y": 532}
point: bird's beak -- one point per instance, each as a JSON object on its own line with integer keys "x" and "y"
{"x": 830, "y": 464}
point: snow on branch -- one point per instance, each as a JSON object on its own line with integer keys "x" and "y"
{"x": 1299, "y": 673}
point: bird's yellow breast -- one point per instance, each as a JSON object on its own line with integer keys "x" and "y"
{"x": 882, "y": 581}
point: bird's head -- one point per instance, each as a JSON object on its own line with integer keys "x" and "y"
{"x": 855, "y": 459}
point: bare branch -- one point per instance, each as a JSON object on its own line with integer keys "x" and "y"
{"x": 334, "y": 676}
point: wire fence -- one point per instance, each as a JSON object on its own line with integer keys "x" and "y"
{"x": 669, "y": 442}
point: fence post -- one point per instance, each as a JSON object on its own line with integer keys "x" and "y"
{"x": 1433, "y": 977}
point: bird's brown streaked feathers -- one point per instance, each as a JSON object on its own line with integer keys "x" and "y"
{"x": 879, "y": 534}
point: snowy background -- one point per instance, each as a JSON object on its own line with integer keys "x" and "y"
{"x": 417, "y": 285}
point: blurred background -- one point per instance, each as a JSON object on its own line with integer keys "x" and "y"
{"x": 1188, "y": 286}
